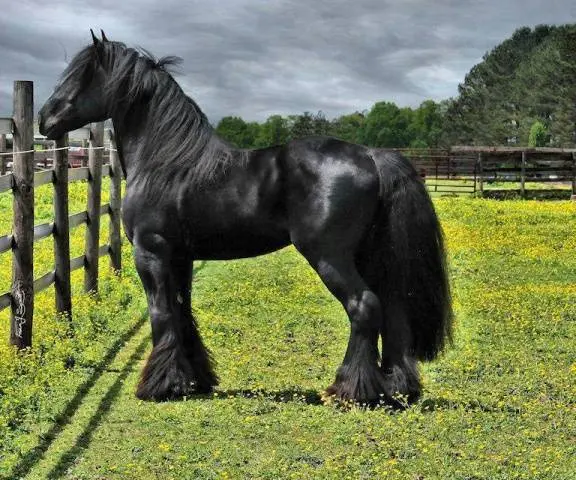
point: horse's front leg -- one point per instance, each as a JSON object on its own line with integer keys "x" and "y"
{"x": 179, "y": 363}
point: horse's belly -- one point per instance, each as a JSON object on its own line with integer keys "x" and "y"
{"x": 228, "y": 245}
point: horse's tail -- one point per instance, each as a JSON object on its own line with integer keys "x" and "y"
{"x": 404, "y": 260}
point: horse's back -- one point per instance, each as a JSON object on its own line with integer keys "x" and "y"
{"x": 331, "y": 192}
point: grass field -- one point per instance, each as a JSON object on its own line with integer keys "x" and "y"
{"x": 500, "y": 404}
{"x": 36, "y": 386}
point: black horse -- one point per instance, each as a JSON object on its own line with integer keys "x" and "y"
{"x": 361, "y": 217}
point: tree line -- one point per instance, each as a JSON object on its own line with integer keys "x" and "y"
{"x": 385, "y": 125}
{"x": 523, "y": 93}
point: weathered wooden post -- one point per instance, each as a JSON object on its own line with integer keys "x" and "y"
{"x": 23, "y": 222}
{"x": 573, "y": 197}
{"x": 2, "y": 157}
{"x": 115, "y": 204}
{"x": 481, "y": 174}
{"x": 523, "y": 175}
{"x": 61, "y": 228}
{"x": 85, "y": 146}
{"x": 93, "y": 207}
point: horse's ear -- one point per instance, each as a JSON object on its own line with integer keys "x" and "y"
{"x": 94, "y": 39}
{"x": 104, "y": 39}
{"x": 97, "y": 46}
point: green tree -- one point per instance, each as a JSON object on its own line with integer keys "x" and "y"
{"x": 563, "y": 124}
{"x": 309, "y": 124}
{"x": 237, "y": 131}
{"x": 426, "y": 126}
{"x": 538, "y": 135}
{"x": 301, "y": 125}
{"x": 349, "y": 127}
{"x": 274, "y": 131}
{"x": 386, "y": 125}
{"x": 491, "y": 103}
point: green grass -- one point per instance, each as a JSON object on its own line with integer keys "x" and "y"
{"x": 500, "y": 404}
{"x": 36, "y": 386}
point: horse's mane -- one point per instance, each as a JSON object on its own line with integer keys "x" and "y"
{"x": 179, "y": 137}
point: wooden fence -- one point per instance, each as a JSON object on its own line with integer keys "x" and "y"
{"x": 472, "y": 169}
{"x": 22, "y": 181}
{"x": 443, "y": 171}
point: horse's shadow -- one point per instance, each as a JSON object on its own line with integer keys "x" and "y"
{"x": 296, "y": 395}
{"x": 299, "y": 396}
{"x": 313, "y": 397}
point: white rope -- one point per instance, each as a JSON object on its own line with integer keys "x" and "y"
{"x": 9, "y": 154}
{"x": 12, "y": 153}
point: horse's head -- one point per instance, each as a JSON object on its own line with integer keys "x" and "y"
{"x": 79, "y": 98}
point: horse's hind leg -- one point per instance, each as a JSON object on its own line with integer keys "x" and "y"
{"x": 360, "y": 377}
{"x": 398, "y": 362}
{"x": 179, "y": 364}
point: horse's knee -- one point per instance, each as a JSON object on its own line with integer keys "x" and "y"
{"x": 365, "y": 311}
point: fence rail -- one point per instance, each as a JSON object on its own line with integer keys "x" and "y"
{"x": 22, "y": 181}
{"x": 464, "y": 169}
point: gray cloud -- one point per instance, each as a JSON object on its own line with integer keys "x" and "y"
{"x": 255, "y": 58}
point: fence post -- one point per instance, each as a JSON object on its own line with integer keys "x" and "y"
{"x": 115, "y": 204}
{"x": 23, "y": 221}
{"x": 62, "y": 229}
{"x": 481, "y": 173}
{"x": 93, "y": 207}
{"x": 523, "y": 176}
{"x": 573, "y": 175}
{"x": 3, "y": 157}
{"x": 85, "y": 145}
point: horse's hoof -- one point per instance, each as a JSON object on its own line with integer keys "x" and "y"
{"x": 372, "y": 387}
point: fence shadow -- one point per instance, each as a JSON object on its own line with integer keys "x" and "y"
{"x": 62, "y": 420}
{"x": 83, "y": 440}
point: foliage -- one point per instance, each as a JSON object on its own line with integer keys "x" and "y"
{"x": 426, "y": 125}
{"x": 385, "y": 125}
{"x": 527, "y": 78}
{"x": 237, "y": 131}
{"x": 309, "y": 124}
{"x": 538, "y": 135}
{"x": 500, "y": 404}
{"x": 274, "y": 131}
{"x": 349, "y": 127}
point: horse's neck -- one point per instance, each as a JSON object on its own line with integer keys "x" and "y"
{"x": 140, "y": 141}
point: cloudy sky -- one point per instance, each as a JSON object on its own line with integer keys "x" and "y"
{"x": 254, "y": 58}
